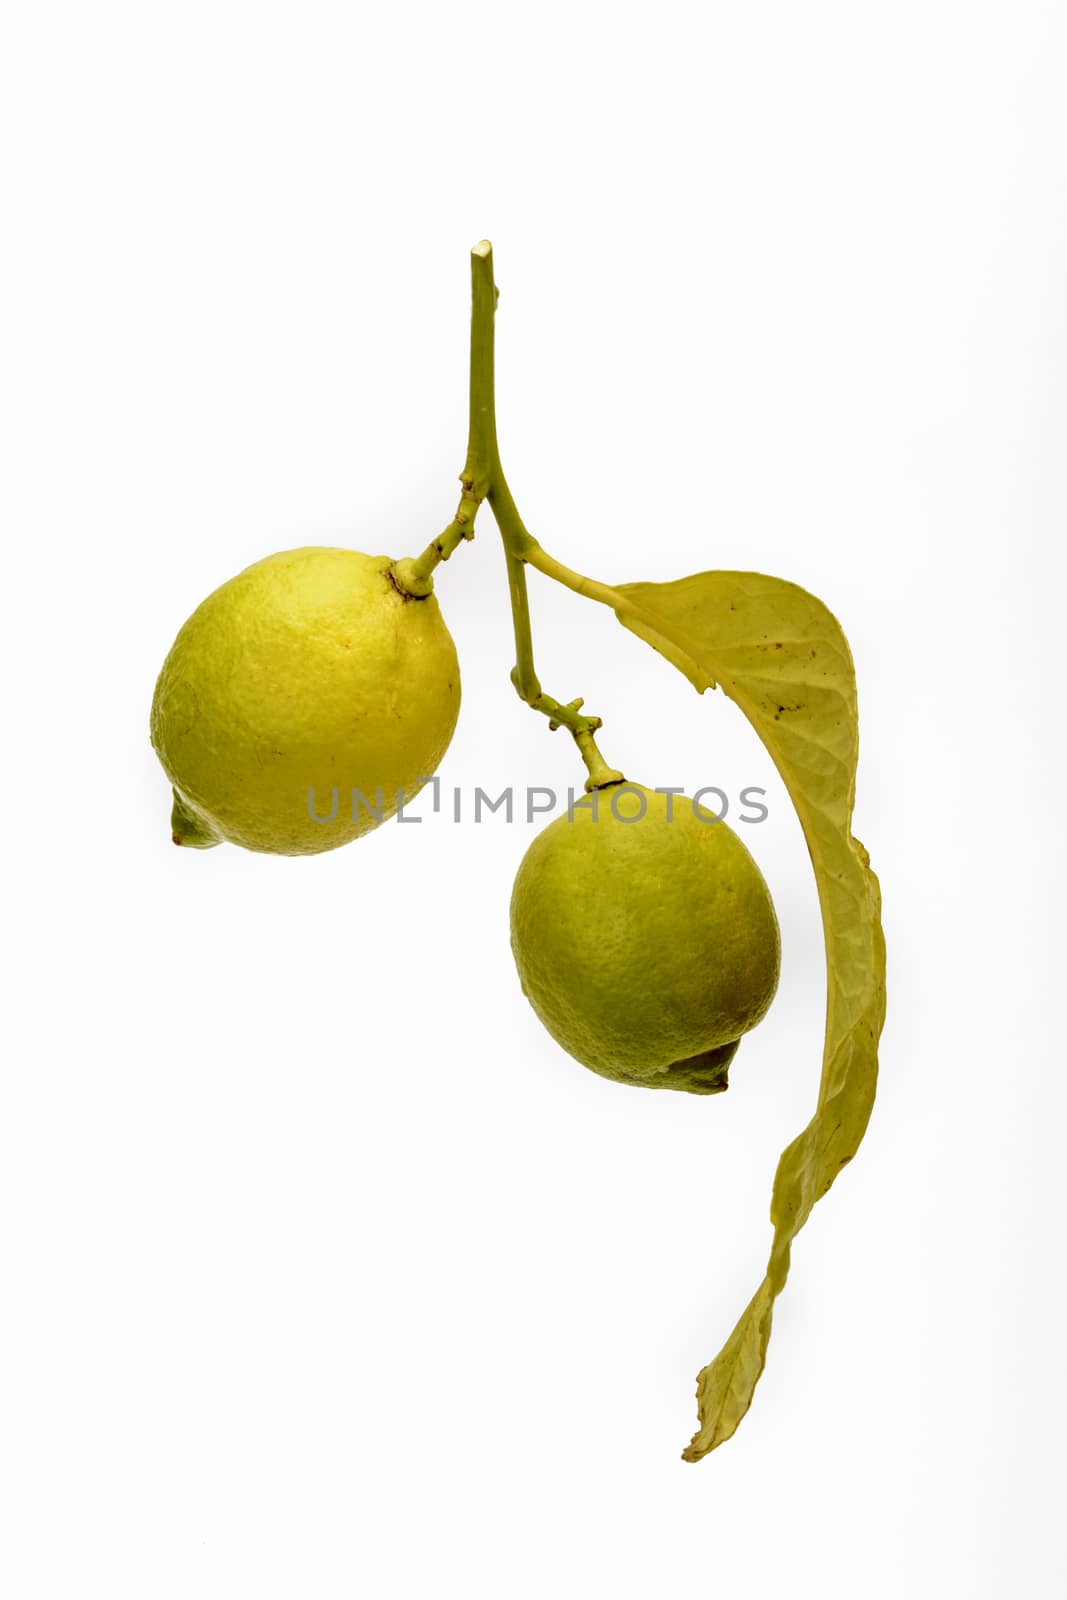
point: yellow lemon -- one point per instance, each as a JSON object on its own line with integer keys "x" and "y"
{"x": 303, "y": 702}
{"x": 645, "y": 938}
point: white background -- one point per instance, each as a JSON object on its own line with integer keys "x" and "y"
{"x": 324, "y": 1271}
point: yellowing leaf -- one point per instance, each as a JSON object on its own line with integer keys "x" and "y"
{"x": 677, "y": 654}
{"x": 779, "y": 653}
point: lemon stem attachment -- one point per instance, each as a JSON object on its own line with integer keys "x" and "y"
{"x": 413, "y": 575}
{"x": 600, "y": 774}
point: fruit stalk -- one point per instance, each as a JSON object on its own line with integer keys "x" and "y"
{"x": 484, "y": 476}
{"x": 414, "y": 575}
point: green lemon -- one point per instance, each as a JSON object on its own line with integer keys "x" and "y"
{"x": 309, "y": 684}
{"x": 645, "y": 938}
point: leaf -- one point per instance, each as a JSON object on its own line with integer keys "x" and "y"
{"x": 781, "y": 656}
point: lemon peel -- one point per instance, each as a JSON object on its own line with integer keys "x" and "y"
{"x": 645, "y": 938}
{"x": 308, "y": 683}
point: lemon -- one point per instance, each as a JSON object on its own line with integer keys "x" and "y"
{"x": 309, "y": 684}
{"x": 645, "y": 938}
